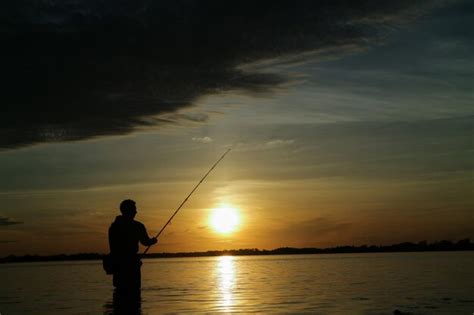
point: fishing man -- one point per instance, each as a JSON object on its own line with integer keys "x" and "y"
{"x": 124, "y": 235}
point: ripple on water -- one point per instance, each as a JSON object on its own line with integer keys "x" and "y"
{"x": 334, "y": 284}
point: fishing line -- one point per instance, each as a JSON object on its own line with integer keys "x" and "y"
{"x": 189, "y": 195}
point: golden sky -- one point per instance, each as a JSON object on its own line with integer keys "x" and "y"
{"x": 360, "y": 136}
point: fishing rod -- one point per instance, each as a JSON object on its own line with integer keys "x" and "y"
{"x": 186, "y": 199}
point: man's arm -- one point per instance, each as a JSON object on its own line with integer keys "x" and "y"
{"x": 145, "y": 240}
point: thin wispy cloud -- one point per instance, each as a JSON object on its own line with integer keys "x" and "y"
{"x": 203, "y": 139}
{"x": 5, "y": 221}
{"x": 278, "y": 143}
{"x": 315, "y": 229}
{"x": 268, "y": 145}
{"x": 193, "y": 117}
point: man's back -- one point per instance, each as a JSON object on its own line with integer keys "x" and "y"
{"x": 124, "y": 235}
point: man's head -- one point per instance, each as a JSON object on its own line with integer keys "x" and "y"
{"x": 128, "y": 208}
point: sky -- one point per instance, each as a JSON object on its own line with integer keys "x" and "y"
{"x": 350, "y": 122}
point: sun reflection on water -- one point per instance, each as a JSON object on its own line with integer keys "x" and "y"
{"x": 226, "y": 281}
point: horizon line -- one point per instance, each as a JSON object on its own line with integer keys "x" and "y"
{"x": 442, "y": 245}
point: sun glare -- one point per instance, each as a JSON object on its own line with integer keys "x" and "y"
{"x": 224, "y": 219}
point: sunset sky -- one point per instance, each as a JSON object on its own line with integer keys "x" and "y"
{"x": 351, "y": 122}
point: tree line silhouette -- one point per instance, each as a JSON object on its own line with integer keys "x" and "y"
{"x": 423, "y": 246}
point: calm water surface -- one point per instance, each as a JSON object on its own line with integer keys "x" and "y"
{"x": 415, "y": 283}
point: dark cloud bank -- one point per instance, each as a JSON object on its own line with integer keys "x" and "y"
{"x": 75, "y": 69}
{"x": 4, "y": 221}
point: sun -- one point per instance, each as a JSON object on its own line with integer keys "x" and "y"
{"x": 224, "y": 219}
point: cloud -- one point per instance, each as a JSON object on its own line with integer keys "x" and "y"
{"x": 77, "y": 69}
{"x": 278, "y": 143}
{"x": 257, "y": 146}
{"x": 5, "y": 221}
{"x": 321, "y": 226}
{"x": 193, "y": 117}
{"x": 313, "y": 230}
{"x": 203, "y": 139}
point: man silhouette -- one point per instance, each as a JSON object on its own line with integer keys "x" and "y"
{"x": 124, "y": 235}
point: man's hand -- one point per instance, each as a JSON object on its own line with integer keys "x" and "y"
{"x": 154, "y": 240}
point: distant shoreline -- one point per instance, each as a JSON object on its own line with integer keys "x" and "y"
{"x": 462, "y": 245}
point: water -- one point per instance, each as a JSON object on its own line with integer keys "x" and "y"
{"x": 415, "y": 283}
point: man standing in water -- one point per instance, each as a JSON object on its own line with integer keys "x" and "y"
{"x": 124, "y": 235}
